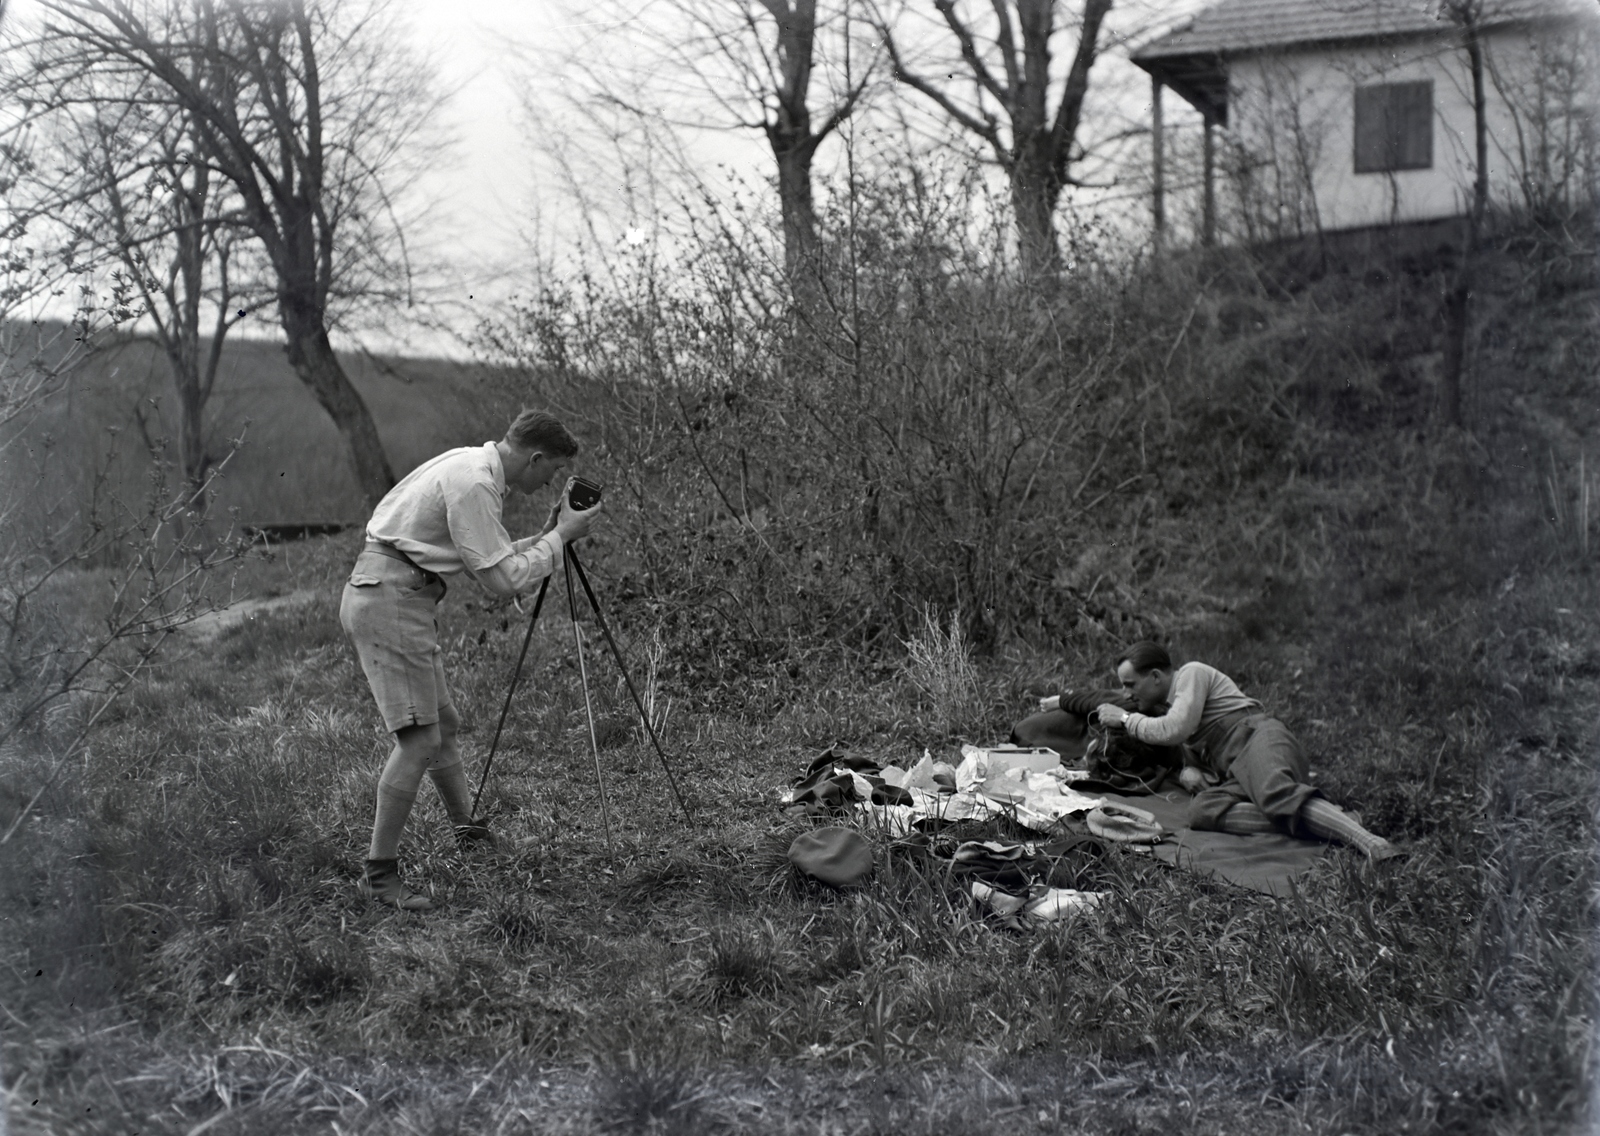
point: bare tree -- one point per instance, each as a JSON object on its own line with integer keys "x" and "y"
{"x": 1467, "y": 16}
{"x": 196, "y": 277}
{"x": 1552, "y": 146}
{"x": 1009, "y": 67}
{"x": 788, "y": 123}
{"x": 746, "y": 66}
{"x": 123, "y": 180}
{"x": 301, "y": 107}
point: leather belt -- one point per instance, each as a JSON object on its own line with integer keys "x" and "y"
{"x": 384, "y": 549}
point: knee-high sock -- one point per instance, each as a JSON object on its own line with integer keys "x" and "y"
{"x": 1327, "y": 820}
{"x": 1245, "y": 819}
{"x": 451, "y": 781}
{"x": 394, "y": 806}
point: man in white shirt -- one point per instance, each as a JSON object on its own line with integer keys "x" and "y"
{"x": 1262, "y": 780}
{"x": 443, "y": 519}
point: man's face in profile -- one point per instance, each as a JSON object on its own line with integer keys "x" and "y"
{"x": 1149, "y": 690}
{"x": 536, "y": 471}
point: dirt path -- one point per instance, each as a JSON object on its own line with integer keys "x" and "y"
{"x": 214, "y": 623}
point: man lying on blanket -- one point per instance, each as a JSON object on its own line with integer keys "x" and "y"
{"x": 1249, "y": 772}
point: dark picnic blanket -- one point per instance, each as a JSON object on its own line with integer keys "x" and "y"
{"x": 1264, "y": 863}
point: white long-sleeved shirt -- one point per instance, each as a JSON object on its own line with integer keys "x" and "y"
{"x": 1201, "y": 697}
{"x": 445, "y": 515}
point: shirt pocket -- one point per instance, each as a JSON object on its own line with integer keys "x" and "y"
{"x": 363, "y": 580}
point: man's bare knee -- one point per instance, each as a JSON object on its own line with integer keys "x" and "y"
{"x": 448, "y": 754}
{"x": 419, "y": 741}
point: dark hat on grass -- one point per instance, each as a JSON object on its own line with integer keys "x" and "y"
{"x": 835, "y": 856}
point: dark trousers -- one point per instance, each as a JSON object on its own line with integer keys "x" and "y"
{"x": 1060, "y": 730}
{"x": 1264, "y": 765}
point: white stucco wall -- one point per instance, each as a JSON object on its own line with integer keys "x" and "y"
{"x": 1292, "y": 120}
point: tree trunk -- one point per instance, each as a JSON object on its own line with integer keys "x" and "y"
{"x": 1480, "y": 129}
{"x": 799, "y": 215}
{"x": 1458, "y": 300}
{"x": 1457, "y": 325}
{"x": 313, "y": 359}
{"x": 794, "y": 145}
{"x": 1034, "y": 192}
{"x": 191, "y": 410}
{"x": 1035, "y": 178}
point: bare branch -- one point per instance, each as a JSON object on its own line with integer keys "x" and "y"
{"x": 969, "y": 51}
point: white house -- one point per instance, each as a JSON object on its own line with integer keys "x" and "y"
{"x": 1340, "y": 114}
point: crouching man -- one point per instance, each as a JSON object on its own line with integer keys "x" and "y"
{"x": 1259, "y": 768}
{"x": 441, "y": 520}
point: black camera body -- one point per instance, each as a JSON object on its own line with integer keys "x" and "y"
{"x": 583, "y": 493}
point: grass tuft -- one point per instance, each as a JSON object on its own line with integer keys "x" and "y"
{"x": 939, "y": 663}
{"x": 515, "y": 920}
{"x": 743, "y": 962}
{"x": 648, "y": 1097}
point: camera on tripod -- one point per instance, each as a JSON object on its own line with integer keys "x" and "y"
{"x": 583, "y": 493}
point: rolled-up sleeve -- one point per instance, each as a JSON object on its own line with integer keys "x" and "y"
{"x": 1182, "y": 717}
{"x": 486, "y": 548}
{"x": 530, "y": 562}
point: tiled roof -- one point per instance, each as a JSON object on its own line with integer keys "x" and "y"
{"x": 1246, "y": 25}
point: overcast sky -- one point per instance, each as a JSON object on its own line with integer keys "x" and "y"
{"x": 496, "y": 195}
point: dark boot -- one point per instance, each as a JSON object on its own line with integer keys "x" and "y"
{"x": 382, "y": 884}
{"x": 474, "y": 834}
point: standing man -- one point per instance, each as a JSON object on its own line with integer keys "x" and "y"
{"x": 1252, "y": 775}
{"x": 442, "y": 519}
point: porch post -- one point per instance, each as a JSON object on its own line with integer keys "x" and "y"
{"x": 1208, "y": 233}
{"x": 1158, "y": 201}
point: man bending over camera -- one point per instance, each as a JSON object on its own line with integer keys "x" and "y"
{"x": 1261, "y": 782}
{"x": 441, "y": 520}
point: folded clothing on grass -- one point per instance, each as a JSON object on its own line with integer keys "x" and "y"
{"x": 1021, "y": 884}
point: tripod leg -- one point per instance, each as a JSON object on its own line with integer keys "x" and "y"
{"x": 616, "y": 653}
{"x": 594, "y": 744}
{"x": 510, "y": 690}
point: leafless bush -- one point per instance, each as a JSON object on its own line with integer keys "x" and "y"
{"x": 927, "y": 432}
{"x": 91, "y": 586}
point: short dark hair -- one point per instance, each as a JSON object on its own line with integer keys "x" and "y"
{"x": 542, "y": 432}
{"x": 1146, "y": 656}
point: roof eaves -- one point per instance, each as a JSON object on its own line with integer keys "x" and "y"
{"x": 1245, "y": 26}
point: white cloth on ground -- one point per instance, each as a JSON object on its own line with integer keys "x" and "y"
{"x": 1037, "y": 800}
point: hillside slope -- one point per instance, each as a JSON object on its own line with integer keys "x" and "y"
{"x": 118, "y": 408}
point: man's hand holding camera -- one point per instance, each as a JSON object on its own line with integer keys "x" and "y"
{"x": 569, "y": 523}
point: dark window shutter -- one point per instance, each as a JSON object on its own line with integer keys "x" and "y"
{"x": 1394, "y": 127}
{"x": 1372, "y": 117}
{"x": 1411, "y": 119}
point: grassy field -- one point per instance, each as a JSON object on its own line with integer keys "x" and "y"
{"x": 291, "y": 467}
{"x": 1420, "y": 604}
{"x": 193, "y": 955}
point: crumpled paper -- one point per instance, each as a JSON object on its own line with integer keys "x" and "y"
{"x": 983, "y": 789}
{"x": 1049, "y": 906}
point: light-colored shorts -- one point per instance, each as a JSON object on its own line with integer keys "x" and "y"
{"x": 389, "y": 610}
